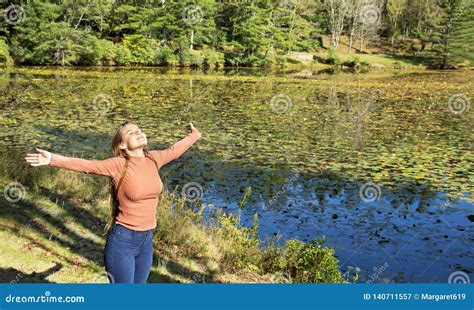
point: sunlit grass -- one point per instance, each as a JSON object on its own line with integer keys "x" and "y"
{"x": 54, "y": 233}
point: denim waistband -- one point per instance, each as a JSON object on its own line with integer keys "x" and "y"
{"x": 135, "y": 232}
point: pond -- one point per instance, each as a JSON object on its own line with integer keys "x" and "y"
{"x": 380, "y": 164}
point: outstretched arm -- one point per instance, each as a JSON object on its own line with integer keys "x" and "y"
{"x": 165, "y": 156}
{"x": 107, "y": 167}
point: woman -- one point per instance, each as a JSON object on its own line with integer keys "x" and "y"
{"x": 135, "y": 188}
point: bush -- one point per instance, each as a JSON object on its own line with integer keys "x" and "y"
{"x": 123, "y": 56}
{"x": 303, "y": 262}
{"x": 212, "y": 58}
{"x": 195, "y": 59}
{"x": 184, "y": 54}
{"x": 357, "y": 65}
{"x": 98, "y": 51}
{"x": 106, "y": 52}
{"x": 279, "y": 60}
{"x": 223, "y": 246}
{"x": 166, "y": 56}
{"x": 333, "y": 58}
{"x": 143, "y": 50}
{"x": 5, "y": 58}
{"x": 311, "y": 263}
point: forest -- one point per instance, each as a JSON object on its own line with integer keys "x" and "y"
{"x": 234, "y": 33}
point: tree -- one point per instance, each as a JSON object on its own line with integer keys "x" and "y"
{"x": 336, "y": 12}
{"x": 354, "y": 20}
{"x": 462, "y": 40}
{"x": 452, "y": 36}
{"x": 395, "y": 9}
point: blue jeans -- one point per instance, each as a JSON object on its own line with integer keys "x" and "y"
{"x": 128, "y": 255}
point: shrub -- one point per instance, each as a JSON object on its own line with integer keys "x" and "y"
{"x": 224, "y": 246}
{"x": 311, "y": 263}
{"x": 357, "y": 65}
{"x": 5, "y": 58}
{"x": 195, "y": 59}
{"x": 333, "y": 57}
{"x": 166, "y": 56}
{"x": 123, "y": 56}
{"x": 97, "y": 51}
{"x": 212, "y": 58}
{"x": 184, "y": 54}
{"x": 303, "y": 262}
{"x": 143, "y": 50}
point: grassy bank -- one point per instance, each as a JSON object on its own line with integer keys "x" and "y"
{"x": 54, "y": 234}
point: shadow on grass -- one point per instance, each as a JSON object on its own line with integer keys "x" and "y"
{"x": 14, "y": 276}
{"x": 413, "y": 60}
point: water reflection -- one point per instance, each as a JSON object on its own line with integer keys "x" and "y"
{"x": 338, "y": 134}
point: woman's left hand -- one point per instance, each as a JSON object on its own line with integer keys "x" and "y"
{"x": 194, "y": 130}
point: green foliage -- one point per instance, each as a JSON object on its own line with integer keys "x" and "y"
{"x": 5, "y": 58}
{"x": 123, "y": 56}
{"x": 143, "y": 51}
{"x": 166, "y": 56}
{"x": 184, "y": 54}
{"x": 311, "y": 263}
{"x": 99, "y": 52}
{"x": 462, "y": 38}
{"x": 451, "y": 35}
{"x": 196, "y": 60}
{"x": 252, "y": 33}
{"x": 357, "y": 65}
{"x": 212, "y": 58}
{"x": 303, "y": 262}
{"x": 333, "y": 57}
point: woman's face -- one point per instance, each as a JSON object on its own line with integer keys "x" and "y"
{"x": 132, "y": 137}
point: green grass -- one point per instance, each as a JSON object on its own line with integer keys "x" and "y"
{"x": 54, "y": 234}
{"x": 379, "y": 61}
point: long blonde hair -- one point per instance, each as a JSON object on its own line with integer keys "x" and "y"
{"x": 118, "y": 152}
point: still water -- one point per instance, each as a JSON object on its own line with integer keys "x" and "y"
{"x": 381, "y": 165}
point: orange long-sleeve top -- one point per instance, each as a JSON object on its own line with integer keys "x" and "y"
{"x": 141, "y": 186}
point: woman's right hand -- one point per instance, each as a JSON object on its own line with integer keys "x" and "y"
{"x": 40, "y": 158}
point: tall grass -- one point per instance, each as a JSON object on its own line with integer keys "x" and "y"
{"x": 222, "y": 246}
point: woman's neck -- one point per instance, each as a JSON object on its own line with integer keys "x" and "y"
{"x": 136, "y": 153}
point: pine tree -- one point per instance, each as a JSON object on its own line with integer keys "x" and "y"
{"x": 461, "y": 43}
{"x": 453, "y": 34}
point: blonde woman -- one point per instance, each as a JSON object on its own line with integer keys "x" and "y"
{"x": 135, "y": 188}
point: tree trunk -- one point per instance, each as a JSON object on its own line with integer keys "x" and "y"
{"x": 351, "y": 36}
